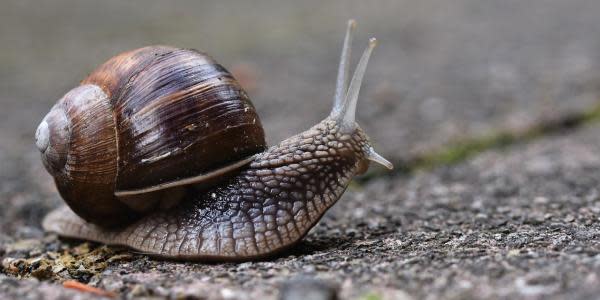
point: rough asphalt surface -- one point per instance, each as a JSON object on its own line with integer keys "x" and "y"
{"x": 522, "y": 222}
{"x": 517, "y": 224}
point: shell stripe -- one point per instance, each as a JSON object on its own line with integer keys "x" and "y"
{"x": 187, "y": 181}
{"x": 173, "y": 106}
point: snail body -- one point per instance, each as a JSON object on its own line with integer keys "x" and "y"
{"x": 161, "y": 150}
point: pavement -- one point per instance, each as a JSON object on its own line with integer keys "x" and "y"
{"x": 518, "y": 221}
{"x": 522, "y": 222}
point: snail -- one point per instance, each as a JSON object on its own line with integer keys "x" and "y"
{"x": 160, "y": 150}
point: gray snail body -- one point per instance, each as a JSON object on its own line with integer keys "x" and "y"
{"x": 255, "y": 204}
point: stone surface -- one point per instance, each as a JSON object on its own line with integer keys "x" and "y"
{"x": 520, "y": 223}
{"x": 31, "y": 289}
{"x": 306, "y": 288}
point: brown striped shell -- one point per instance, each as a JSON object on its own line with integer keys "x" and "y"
{"x": 142, "y": 123}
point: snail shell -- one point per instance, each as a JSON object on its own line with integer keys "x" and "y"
{"x": 141, "y": 124}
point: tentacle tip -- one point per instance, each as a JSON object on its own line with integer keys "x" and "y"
{"x": 352, "y": 24}
{"x": 377, "y": 158}
{"x": 372, "y": 42}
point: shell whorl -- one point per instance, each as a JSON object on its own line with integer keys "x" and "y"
{"x": 79, "y": 145}
{"x": 52, "y": 138}
{"x": 172, "y": 104}
{"x": 145, "y": 118}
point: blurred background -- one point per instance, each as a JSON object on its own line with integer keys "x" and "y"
{"x": 444, "y": 70}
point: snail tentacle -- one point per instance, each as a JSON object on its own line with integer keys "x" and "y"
{"x": 347, "y": 113}
{"x": 341, "y": 86}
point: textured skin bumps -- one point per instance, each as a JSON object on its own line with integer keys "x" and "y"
{"x": 267, "y": 207}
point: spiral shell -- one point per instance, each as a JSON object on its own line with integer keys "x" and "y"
{"x": 145, "y": 121}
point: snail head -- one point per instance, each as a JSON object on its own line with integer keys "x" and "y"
{"x": 346, "y": 98}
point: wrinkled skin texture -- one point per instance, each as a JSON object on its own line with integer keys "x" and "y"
{"x": 269, "y": 206}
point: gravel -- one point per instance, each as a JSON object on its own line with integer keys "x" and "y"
{"x": 522, "y": 222}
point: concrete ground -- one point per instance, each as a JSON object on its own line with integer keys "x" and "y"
{"x": 519, "y": 223}
{"x": 513, "y": 219}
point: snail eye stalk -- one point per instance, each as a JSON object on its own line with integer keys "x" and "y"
{"x": 346, "y": 97}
